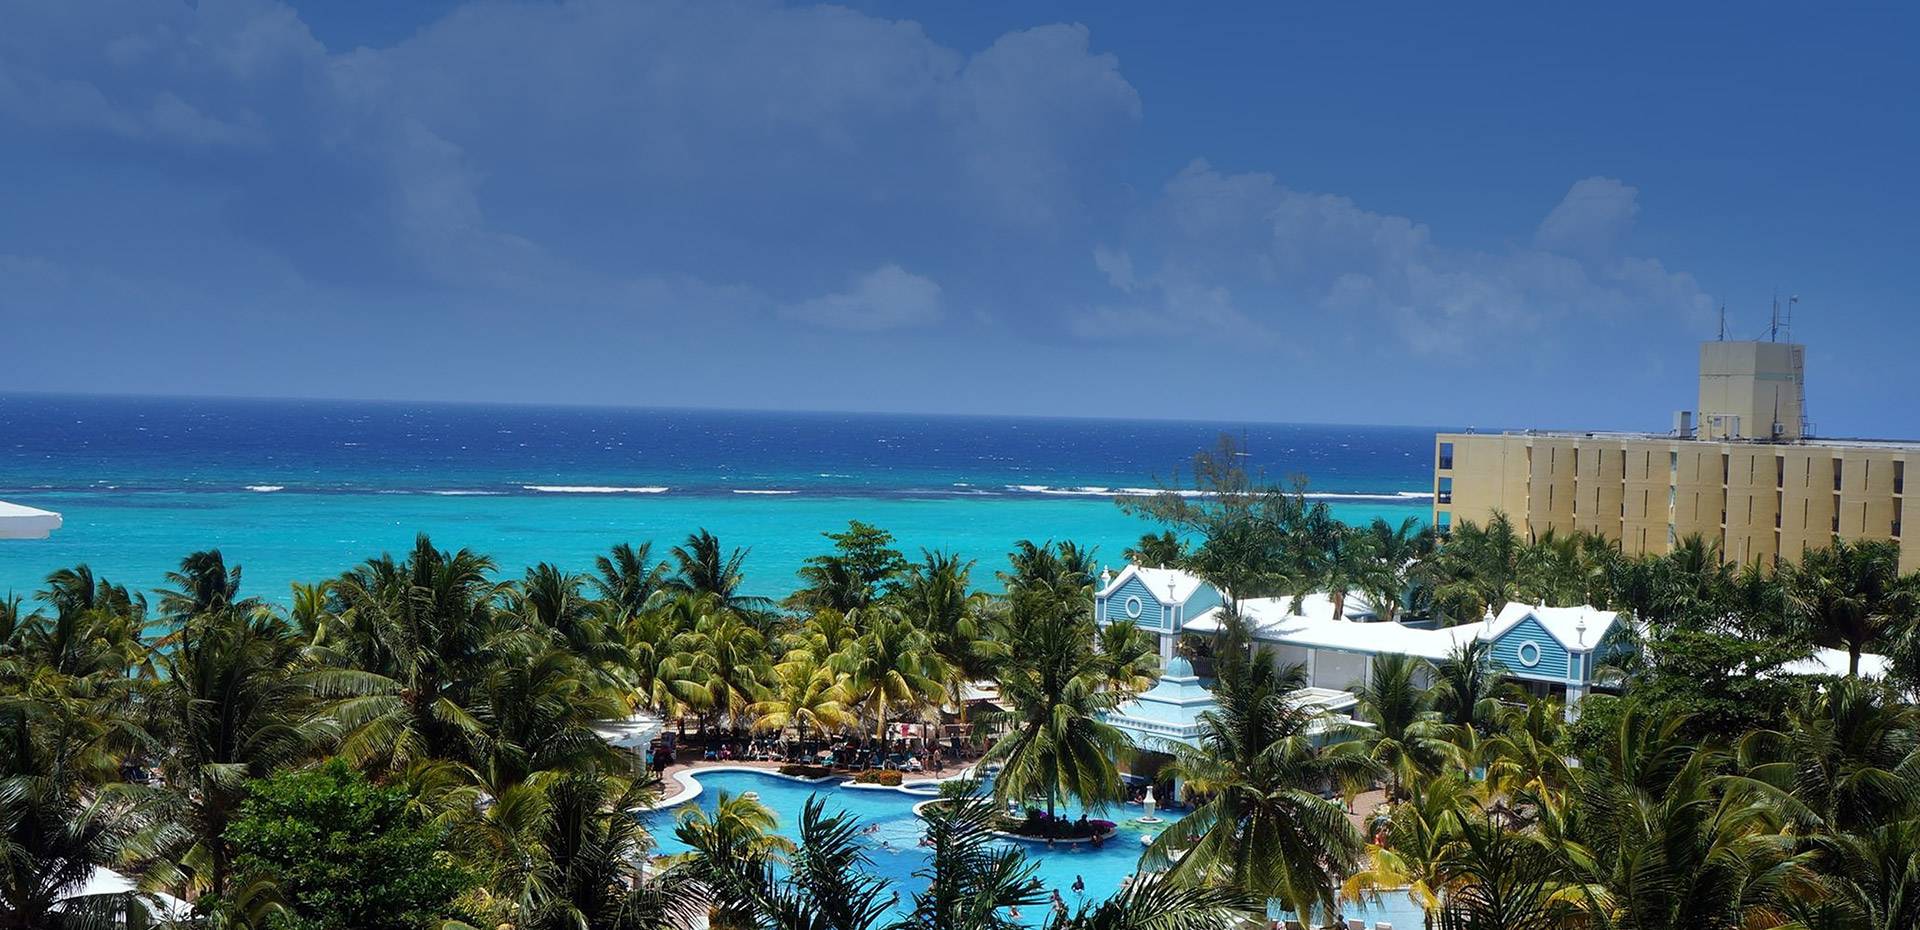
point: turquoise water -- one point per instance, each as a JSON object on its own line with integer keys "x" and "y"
{"x": 299, "y": 491}
{"x": 896, "y": 855}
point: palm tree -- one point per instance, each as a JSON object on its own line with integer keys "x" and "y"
{"x": 1131, "y": 656}
{"x": 1498, "y": 879}
{"x": 1849, "y": 595}
{"x": 629, "y": 576}
{"x": 1263, "y": 827}
{"x": 581, "y": 870}
{"x": 804, "y": 694}
{"x": 1056, "y": 744}
{"x": 703, "y": 566}
{"x": 1467, "y": 685}
{"x": 1408, "y": 857}
{"x": 727, "y": 657}
{"x": 891, "y": 666}
{"x": 1870, "y": 880}
{"x": 935, "y": 597}
{"x": 1158, "y": 903}
{"x": 1846, "y": 761}
{"x": 727, "y": 846}
{"x": 231, "y": 703}
{"x": 971, "y": 877}
{"x": 1396, "y": 551}
{"x": 411, "y": 645}
{"x": 1346, "y": 563}
{"x": 1404, "y": 739}
{"x": 1478, "y": 569}
{"x": 205, "y": 584}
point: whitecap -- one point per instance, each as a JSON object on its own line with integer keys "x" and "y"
{"x": 760, "y": 491}
{"x": 266, "y": 488}
{"x": 591, "y": 489}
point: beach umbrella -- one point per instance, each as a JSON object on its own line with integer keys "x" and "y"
{"x": 21, "y": 522}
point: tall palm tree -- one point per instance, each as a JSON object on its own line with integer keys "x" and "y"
{"x": 1849, "y": 595}
{"x": 1478, "y": 569}
{"x": 1498, "y": 879}
{"x": 204, "y": 583}
{"x": 1396, "y": 550}
{"x": 1467, "y": 685}
{"x": 1056, "y": 743}
{"x": 411, "y": 644}
{"x": 935, "y": 597}
{"x": 1131, "y": 656}
{"x": 1346, "y": 563}
{"x": 232, "y": 703}
{"x": 1262, "y": 826}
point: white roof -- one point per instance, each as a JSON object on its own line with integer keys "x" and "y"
{"x": 1272, "y": 619}
{"x": 21, "y": 522}
{"x": 1575, "y": 627}
{"x": 631, "y": 733}
{"x": 1834, "y": 662}
{"x": 103, "y": 881}
{"x": 1168, "y": 585}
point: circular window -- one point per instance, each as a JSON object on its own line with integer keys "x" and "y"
{"x": 1529, "y": 653}
{"x": 1133, "y": 607}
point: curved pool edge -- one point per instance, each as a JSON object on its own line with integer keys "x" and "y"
{"x": 689, "y": 781}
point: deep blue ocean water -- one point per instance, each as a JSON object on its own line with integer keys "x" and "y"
{"x": 299, "y": 490}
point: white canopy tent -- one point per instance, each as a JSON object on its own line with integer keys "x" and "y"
{"x": 21, "y": 522}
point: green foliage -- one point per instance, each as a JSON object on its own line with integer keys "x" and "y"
{"x": 345, "y": 854}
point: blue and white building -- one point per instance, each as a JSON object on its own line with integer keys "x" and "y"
{"x": 1552, "y": 651}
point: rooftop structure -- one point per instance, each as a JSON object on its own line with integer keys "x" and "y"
{"x": 21, "y": 522}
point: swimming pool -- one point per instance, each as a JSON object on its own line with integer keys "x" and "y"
{"x": 896, "y": 854}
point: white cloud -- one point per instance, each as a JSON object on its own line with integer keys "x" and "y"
{"x": 1591, "y": 219}
{"x": 889, "y": 297}
{"x": 1320, "y": 267}
{"x": 1117, "y": 265}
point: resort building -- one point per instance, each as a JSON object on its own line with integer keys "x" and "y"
{"x": 1551, "y": 651}
{"x": 1742, "y": 469}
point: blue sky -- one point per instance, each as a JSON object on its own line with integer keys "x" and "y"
{"x": 1361, "y": 213}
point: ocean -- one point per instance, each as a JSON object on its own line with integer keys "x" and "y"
{"x": 298, "y": 490}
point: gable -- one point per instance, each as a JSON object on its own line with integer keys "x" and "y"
{"x": 1132, "y": 601}
{"x": 1529, "y": 651}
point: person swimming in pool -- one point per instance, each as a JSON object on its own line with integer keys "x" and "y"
{"x": 1079, "y": 885}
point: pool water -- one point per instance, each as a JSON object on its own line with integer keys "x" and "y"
{"x": 895, "y": 852}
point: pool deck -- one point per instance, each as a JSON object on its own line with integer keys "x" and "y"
{"x": 673, "y": 787}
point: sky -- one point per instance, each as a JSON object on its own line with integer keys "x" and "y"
{"x": 1483, "y": 214}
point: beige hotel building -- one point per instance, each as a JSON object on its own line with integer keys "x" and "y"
{"x": 1742, "y": 469}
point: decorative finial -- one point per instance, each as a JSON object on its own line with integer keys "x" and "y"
{"x": 1580, "y": 631}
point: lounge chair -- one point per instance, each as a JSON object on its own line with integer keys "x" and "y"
{"x": 1356, "y": 924}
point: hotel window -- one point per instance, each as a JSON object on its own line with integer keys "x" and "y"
{"x": 1780, "y": 472}
{"x": 1726, "y": 468}
{"x": 1446, "y": 455}
{"x": 1896, "y": 527}
{"x": 1899, "y": 477}
{"x": 1446, "y": 490}
{"x": 1836, "y": 474}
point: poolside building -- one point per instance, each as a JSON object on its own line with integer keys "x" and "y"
{"x": 1742, "y": 469}
{"x": 18, "y": 521}
{"x": 1551, "y": 651}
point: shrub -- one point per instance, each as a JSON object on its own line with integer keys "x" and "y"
{"x": 345, "y": 853}
{"x": 889, "y": 777}
{"x": 805, "y": 770}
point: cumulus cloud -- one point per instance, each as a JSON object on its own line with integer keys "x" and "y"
{"x": 888, "y": 297}
{"x": 1320, "y": 265}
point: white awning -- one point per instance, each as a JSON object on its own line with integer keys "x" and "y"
{"x": 18, "y": 522}
{"x": 105, "y": 881}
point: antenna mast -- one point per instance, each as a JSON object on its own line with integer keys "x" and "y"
{"x": 1723, "y": 322}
